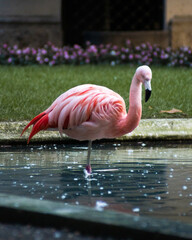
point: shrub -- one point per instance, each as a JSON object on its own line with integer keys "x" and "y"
{"x": 96, "y": 54}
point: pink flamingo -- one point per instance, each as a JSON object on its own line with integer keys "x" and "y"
{"x": 90, "y": 112}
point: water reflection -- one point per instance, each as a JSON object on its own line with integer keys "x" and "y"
{"x": 150, "y": 181}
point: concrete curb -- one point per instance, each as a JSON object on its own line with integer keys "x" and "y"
{"x": 24, "y": 210}
{"x": 148, "y": 129}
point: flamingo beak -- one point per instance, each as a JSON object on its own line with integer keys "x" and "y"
{"x": 147, "y": 85}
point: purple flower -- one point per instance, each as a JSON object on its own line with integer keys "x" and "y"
{"x": 72, "y": 57}
{"x": 43, "y": 51}
{"x": 92, "y": 49}
{"x": 9, "y": 60}
{"x": 115, "y": 47}
{"x": 143, "y": 45}
{"x": 130, "y": 56}
{"x": 108, "y": 45}
{"x": 123, "y": 56}
{"x": 38, "y": 58}
{"x": 87, "y": 60}
{"x": 76, "y": 46}
{"x": 18, "y": 51}
{"x": 143, "y": 53}
{"x": 26, "y": 50}
{"x": 54, "y": 57}
{"x": 103, "y": 51}
{"x": 66, "y": 55}
{"x": 51, "y": 63}
{"x": 155, "y": 54}
{"x": 34, "y": 51}
{"x": 80, "y": 52}
{"x": 88, "y": 43}
{"x": 137, "y": 56}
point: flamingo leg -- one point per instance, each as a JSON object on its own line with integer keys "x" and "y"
{"x": 88, "y": 167}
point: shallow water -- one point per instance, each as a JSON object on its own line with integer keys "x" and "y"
{"x": 141, "y": 180}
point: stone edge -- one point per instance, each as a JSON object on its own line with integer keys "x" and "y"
{"x": 148, "y": 129}
{"x": 88, "y": 220}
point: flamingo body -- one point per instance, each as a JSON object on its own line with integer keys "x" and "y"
{"x": 85, "y": 112}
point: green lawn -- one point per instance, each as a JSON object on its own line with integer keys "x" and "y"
{"x": 26, "y": 91}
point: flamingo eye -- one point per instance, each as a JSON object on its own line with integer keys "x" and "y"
{"x": 143, "y": 76}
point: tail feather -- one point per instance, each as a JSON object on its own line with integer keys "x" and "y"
{"x": 40, "y": 122}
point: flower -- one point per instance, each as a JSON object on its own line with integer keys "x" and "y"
{"x": 9, "y": 60}
{"x": 130, "y": 56}
{"x": 44, "y": 52}
{"x": 111, "y": 54}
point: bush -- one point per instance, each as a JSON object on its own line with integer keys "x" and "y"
{"x": 96, "y": 54}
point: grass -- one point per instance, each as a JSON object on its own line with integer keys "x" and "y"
{"x": 26, "y": 91}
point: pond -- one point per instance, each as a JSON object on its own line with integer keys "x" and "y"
{"x": 139, "y": 179}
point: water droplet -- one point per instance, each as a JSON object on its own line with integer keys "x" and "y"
{"x": 100, "y": 205}
{"x": 26, "y": 167}
{"x": 184, "y": 187}
{"x": 158, "y": 197}
{"x": 63, "y": 196}
{"x": 136, "y": 209}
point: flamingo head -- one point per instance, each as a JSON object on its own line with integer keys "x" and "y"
{"x": 144, "y": 75}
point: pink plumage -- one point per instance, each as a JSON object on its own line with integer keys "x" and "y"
{"x": 85, "y": 112}
{"x": 90, "y": 112}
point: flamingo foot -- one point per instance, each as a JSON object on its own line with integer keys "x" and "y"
{"x": 87, "y": 171}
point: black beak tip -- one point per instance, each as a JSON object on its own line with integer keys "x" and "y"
{"x": 147, "y": 94}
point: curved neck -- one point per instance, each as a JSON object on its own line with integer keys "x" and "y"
{"x": 131, "y": 120}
